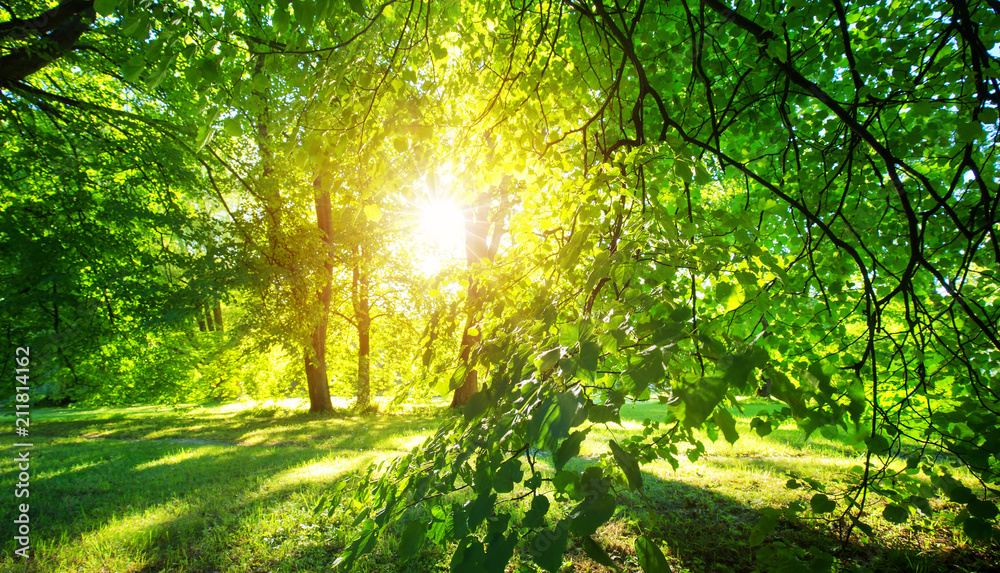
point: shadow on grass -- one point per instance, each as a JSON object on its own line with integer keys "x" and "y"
{"x": 263, "y": 427}
{"x": 221, "y": 508}
{"x": 177, "y": 507}
{"x": 703, "y": 530}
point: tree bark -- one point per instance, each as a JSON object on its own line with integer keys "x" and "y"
{"x": 56, "y": 32}
{"x": 208, "y": 317}
{"x": 315, "y": 355}
{"x": 363, "y": 321}
{"x": 217, "y": 315}
{"x": 477, "y": 225}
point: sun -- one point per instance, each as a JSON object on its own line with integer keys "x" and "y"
{"x": 440, "y": 235}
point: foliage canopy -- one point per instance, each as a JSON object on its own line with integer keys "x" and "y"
{"x": 700, "y": 202}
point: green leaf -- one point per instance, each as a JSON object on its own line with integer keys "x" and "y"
{"x": 592, "y": 513}
{"x": 534, "y": 481}
{"x": 469, "y": 556}
{"x": 458, "y": 377}
{"x": 967, "y": 131}
{"x": 762, "y": 427}
{"x": 499, "y": 551}
{"x": 476, "y": 405}
{"x": 877, "y": 444}
{"x": 281, "y": 21}
{"x": 459, "y": 520}
{"x": 601, "y": 414}
{"x": 536, "y": 515}
{"x": 232, "y": 127}
{"x": 105, "y": 7}
{"x": 729, "y": 294}
{"x": 700, "y": 399}
{"x": 357, "y": 6}
{"x": 479, "y": 509}
{"x": 373, "y": 213}
{"x": 590, "y": 352}
{"x": 651, "y": 559}
{"x": 412, "y": 538}
{"x": 569, "y": 449}
{"x": 320, "y": 504}
{"x": 960, "y": 494}
{"x": 983, "y": 509}
{"x": 864, "y": 527}
{"x": 192, "y": 74}
{"x": 205, "y": 134}
{"x": 764, "y": 526}
{"x": 820, "y": 503}
{"x": 305, "y": 13}
{"x": 594, "y": 550}
{"x": 647, "y": 371}
{"x": 977, "y": 529}
{"x": 727, "y": 423}
{"x": 547, "y": 359}
{"x": 701, "y": 174}
{"x": 569, "y": 334}
{"x": 922, "y": 504}
{"x": 361, "y": 545}
{"x": 895, "y": 514}
{"x": 509, "y": 474}
{"x": 565, "y": 480}
{"x": 134, "y": 67}
{"x": 628, "y": 464}
{"x": 552, "y": 419}
{"x": 548, "y": 546}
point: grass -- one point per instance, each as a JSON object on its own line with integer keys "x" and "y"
{"x": 231, "y": 489}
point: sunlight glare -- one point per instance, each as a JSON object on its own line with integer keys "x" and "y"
{"x": 441, "y": 229}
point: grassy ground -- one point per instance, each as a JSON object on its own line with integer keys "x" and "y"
{"x": 231, "y": 489}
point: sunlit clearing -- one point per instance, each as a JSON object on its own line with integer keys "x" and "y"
{"x": 441, "y": 236}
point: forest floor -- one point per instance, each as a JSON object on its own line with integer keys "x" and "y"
{"x": 231, "y": 488}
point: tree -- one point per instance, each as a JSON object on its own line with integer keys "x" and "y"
{"x": 723, "y": 200}
{"x": 711, "y": 201}
{"x": 482, "y": 240}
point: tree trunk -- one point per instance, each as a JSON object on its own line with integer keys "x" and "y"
{"x": 217, "y": 315}
{"x": 477, "y": 226}
{"x": 471, "y": 384}
{"x": 208, "y": 317}
{"x": 363, "y": 320}
{"x": 315, "y": 363}
{"x": 316, "y": 378}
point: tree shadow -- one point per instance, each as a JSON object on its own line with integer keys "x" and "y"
{"x": 159, "y": 499}
{"x": 262, "y": 427}
{"x": 183, "y": 507}
{"x": 704, "y": 530}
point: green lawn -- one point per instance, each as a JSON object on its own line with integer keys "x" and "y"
{"x": 231, "y": 489}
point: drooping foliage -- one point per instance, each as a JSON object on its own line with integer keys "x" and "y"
{"x": 789, "y": 199}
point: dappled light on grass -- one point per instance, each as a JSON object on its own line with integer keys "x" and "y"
{"x": 322, "y": 471}
{"x": 163, "y": 505}
{"x": 407, "y": 442}
{"x": 126, "y": 542}
{"x": 181, "y": 456}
